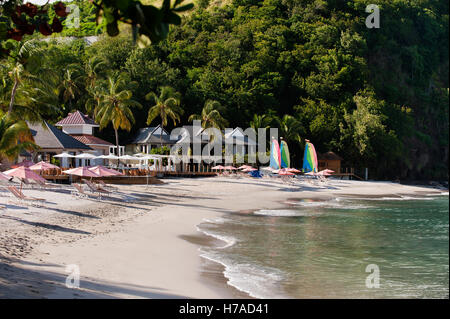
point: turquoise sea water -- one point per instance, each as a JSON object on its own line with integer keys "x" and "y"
{"x": 321, "y": 249}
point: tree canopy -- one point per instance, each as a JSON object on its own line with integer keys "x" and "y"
{"x": 377, "y": 97}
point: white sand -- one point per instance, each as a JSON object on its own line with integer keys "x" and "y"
{"x": 133, "y": 249}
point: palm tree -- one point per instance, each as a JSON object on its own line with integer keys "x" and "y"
{"x": 34, "y": 102}
{"x": 260, "y": 121}
{"x": 290, "y": 128}
{"x": 92, "y": 70}
{"x": 167, "y": 105}
{"x": 115, "y": 107}
{"x": 15, "y": 136}
{"x": 71, "y": 84}
{"x": 263, "y": 122}
{"x": 26, "y": 60}
{"x": 95, "y": 96}
{"x": 210, "y": 116}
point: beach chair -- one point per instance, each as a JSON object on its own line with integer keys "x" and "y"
{"x": 43, "y": 185}
{"x": 95, "y": 189}
{"x": 27, "y": 183}
{"x": 79, "y": 192}
{"x": 25, "y": 199}
{"x": 103, "y": 184}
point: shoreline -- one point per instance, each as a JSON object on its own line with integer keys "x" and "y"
{"x": 154, "y": 252}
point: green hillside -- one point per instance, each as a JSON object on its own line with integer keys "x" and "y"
{"x": 377, "y": 97}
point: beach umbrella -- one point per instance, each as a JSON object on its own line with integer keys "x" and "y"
{"x": 249, "y": 169}
{"x": 64, "y": 155}
{"x": 218, "y": 167}
{"x": 129, "y": 158}
{"x": 24, "y": 173}
{"x": 324, "y": 173}
{"x": 268, "y": 168}
{"x": 311, "y": 173}
{"x": 230, "y": 168}
{"x": 85, "y": 156}
{"x": 4, "y": 177}
{"x": 43, "y": 166}
{"x": 110, "y": 156}
{"x": 103, "y": 171}
{"x": 81, "y": 171}
{"x": 285, "y": 173}
{"x": 23, "y": 163}
{"x": 293, "y": 170}
{"x": 244, "y": 167}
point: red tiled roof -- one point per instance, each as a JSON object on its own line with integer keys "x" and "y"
{"x": 91, "y": 140}
{"x": 76, "y": 118}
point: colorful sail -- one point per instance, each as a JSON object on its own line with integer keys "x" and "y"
{"x": 275, "y": 157}
{"x": 285, "y": 158}
{"x": 310, "y": 158}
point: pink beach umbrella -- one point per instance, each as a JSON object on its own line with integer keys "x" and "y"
{"x": 249, "y": 169}
{"x": 43, "y": 166}
{"x": 285, "y": 173}
{"x": 24, "y": 172}
{"x": 244, "y": 167}
{"x": 230, "y": 168}
{"x": 23, "y": 163}
{"x": 103, "y": 171}
{"x": 218, "y": 167}
{"x": 4, "y": 177}
{"x": 293, "y": 170}
{"x": 311, "y": 173}
{"x": 81, "y": 171}
{"x": 325, "y": 172}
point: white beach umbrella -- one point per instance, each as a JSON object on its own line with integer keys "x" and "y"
{"x": 64, "y": 155}
{"x": 110, "y": 156}
{"x": 129, "y": 158}
{"x": 85, "y": 156}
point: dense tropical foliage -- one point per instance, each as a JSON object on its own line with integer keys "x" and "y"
{"x": 377, "y": 97}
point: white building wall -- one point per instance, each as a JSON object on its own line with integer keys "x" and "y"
{"x": 78, "y": 129}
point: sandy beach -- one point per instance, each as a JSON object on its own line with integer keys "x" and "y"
{"x": 143, "y": 241}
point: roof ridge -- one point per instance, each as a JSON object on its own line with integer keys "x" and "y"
{"x": 53, "y": 133}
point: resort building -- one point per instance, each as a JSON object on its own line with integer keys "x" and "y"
{"x": 52, "y": 141}
{"x": 148, "y": 138}
{"x": 329, "y": 160}
{"x": 243, "y": 144}
{"x": 81, "y": 127}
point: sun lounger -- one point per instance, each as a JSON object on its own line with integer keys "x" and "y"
{"x": 103, "y": 184}
{"x": 44, "y": 185}
{"x": 96, "y": 189}
{"x": 79, "y": 191}
{"x": 19, "y": 195}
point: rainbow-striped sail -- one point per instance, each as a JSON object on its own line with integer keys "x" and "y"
{"x": 310, "y": 158}
{"x": 275, "y": 157}
{"x": 285, "y": 158}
